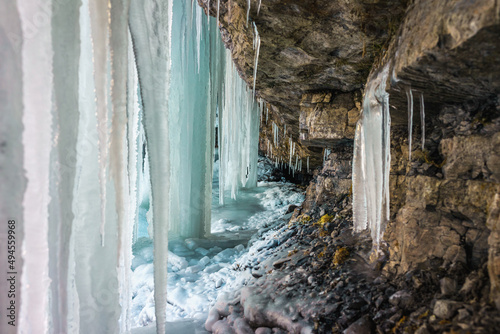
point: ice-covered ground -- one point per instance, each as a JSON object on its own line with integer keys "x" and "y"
{"x": 200, "y": 270}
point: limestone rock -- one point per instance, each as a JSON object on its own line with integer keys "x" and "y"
{"x": 445, "y": 309}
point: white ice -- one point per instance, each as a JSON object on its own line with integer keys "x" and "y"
{"x": 371, "y": 162}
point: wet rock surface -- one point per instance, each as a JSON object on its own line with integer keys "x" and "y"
{"x": 321, "y": 277}
{"x": 439, "y": 269}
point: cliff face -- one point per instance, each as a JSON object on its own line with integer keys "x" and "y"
{"x": 308, "y": 49}
{"x": 316, "y": 57}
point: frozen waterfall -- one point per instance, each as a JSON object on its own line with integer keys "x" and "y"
{"x": 107, "y": 111}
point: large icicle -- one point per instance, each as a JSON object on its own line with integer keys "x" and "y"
{"x": 119, "y": 159}
{"x": 37, "y": 120}
{"x": 371, "y": 162}
{"x": 151, "y": 39}
{"x": 358, "y": 177}
{"x": 12, "y": 177}
{"x": 66, "y": 45}
{"x": 99, "y": 22}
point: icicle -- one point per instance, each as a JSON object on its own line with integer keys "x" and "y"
{"x": 118, "y": 154}
{"x": 284, "y": 131}
{"x": 422, "y": 119}
{"x": 218, "y": 12}
{"x": 198, "y": 35}
{"x": 267, "y": 114}
{"x": 326, "y": 154}
{"x": 409, "y": 97}
{"x": 258, "y": 8}
{"x": 37, "y": 81}
{"x": 358, "y": 178}
{"x": 248, "y": 12}
{"x": 371, "y": 163}
{"x": 307, "y": 164}
{"x": 256, "y": 59}
{"x": 153, "y": 60}
{"x": 99, "y": 13}
{"x": 63, "y": 165}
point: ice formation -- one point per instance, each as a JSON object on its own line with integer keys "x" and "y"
{"x": 422, "y": 119}
{"x": 256, "y": 47}
{"x": 110, "y": 109}
{"x": 409, "y": 97}
{"x": 371, "y": 161}
{"x": 239, "y": 133}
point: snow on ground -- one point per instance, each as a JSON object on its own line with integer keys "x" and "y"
{"x": 201, "y": 269}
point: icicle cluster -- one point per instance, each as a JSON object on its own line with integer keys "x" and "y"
{"x": 371, "y": 161}
{"x": 111, "y": 105}
{"x": 239, "y": 133}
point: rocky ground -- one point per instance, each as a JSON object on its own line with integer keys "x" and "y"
{"x": 320, "y": 280}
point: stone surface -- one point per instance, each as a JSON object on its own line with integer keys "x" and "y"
{"x": 363, "y": 325}
{"x": 311, "y": 45}
{"x": 493, "y": 223}
{"x": 448, "y": 286}
{"x": 445, "y": 309}
{"x": 446, "y": 50}
{"x": 327, "y": 120}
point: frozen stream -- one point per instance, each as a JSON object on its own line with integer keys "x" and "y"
{"x": 201, "y": 269}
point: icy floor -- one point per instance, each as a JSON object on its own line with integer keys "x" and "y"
{"x": 200, "y": 270}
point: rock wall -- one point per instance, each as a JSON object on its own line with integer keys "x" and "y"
{"x": 308, "y": 48}
{"x": 315, "y": 58}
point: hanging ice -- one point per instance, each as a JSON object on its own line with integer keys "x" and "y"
{"x": 94, "y": 121}
{"x": 371, "y": 162}
{"x": 256, "y": 46}
{"x": 409, "y": 97}
{"x": 248, "y": 11}
{"x": 37, "y": 118}
{"x": 422, "y": 119}
{"x": 192, "y": 106}
{"x": 239, "y": 135}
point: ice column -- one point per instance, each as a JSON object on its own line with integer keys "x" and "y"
{"x": 195, "y": 90}
{"x": 371, "y": 162}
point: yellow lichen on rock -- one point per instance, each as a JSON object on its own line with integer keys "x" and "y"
{"x": 341, "y": 255}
